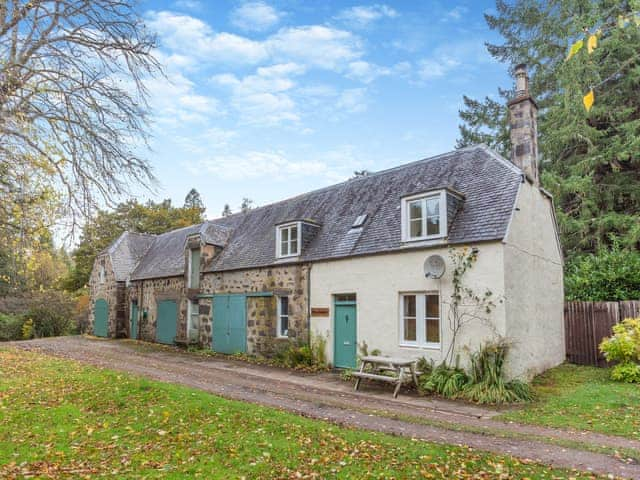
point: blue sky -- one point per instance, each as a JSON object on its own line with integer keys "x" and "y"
{"x": 270, "y": 99}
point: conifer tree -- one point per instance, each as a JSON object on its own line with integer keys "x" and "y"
{"x": 590, "y": 160}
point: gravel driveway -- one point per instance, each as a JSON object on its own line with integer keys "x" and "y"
{"x": 324, "y": 396}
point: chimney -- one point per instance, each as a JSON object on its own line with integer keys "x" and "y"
{"x": 524, "y": 127}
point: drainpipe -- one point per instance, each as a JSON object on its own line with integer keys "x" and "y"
{"x": 140, "y": 310}
{"x": 309, "y": 303}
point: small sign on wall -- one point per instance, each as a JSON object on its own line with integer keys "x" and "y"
{"x": 319, "y": 312}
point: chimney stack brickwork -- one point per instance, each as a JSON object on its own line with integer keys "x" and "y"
{"x": 524, "y": 127}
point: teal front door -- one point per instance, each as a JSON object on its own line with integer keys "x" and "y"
{"x": 345, "y": 327}
{"x": 101, "y": 318}
{"x": 167, "y": 323}
{"x": 133, "y": 321}
{"x": 230, "y": 323}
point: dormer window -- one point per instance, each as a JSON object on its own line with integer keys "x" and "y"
{"x": 424, "y": 216}
{"x": 288, "y": 240}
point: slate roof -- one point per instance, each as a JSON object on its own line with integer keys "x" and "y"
{"x": 127, "y": 251}
{"x": 488, "y": 182}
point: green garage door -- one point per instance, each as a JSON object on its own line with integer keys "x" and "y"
{"x": 101, "y": 318}
{"x": 167, "y": 323}
{"x": 230, "y": 323}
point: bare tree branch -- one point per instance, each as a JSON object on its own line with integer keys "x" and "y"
{"x": 72, "y": 96}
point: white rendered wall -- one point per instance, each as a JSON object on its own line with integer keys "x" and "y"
{"x": 378, "y": 281}
{"x": 534, "y": 286}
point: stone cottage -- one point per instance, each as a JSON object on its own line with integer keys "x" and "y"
{"x": 354, "y": 263}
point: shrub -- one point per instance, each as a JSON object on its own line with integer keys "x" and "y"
{"x": 487, "y": 383}
{"x": 52, "y": 314}
{"x": 10, "y": 327}
{"x": 627, "y": 372}
{"x": 319, "y": 349}
{"x": 624, "y": 347}
{"x": 295, "y": 356}
{"x": 607, "y": 275}
{"x": 27, "y": 329}
{"x": 444, "y": 380}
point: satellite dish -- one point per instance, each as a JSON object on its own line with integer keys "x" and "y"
{"x": 434, "y": 266}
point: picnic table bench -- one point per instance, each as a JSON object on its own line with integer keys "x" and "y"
{"x": 396, "y": 366}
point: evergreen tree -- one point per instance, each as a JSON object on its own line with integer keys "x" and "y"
{"x": 590, "y": 161}
{"x": 246, "y": 205}
{"x": 193, "y": 200}
{"x": 227, "y": 210}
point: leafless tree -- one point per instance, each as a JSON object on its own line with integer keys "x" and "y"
{"x": 72, "y": 98}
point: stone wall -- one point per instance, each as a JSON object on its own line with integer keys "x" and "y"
{"x": 148, "y": 293}
{"x": 108, "y": 290}
{"x": 284, "y": 280}
{"x": 291, "y": 280}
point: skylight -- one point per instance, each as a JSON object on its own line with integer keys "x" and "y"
{"x": 359, "y": 221}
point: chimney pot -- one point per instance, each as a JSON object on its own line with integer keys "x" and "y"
{"x": 522, "y": 81}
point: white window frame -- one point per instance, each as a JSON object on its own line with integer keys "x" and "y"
{"x": 102, "y": 274}
{"x": 421, "y": 318}
{"x": 280, "y": 315}
{"x": 288, "y": 226}
{"x": 404, "y": 209}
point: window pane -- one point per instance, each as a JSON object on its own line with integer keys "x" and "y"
{"x": 415, "y": 209}
{"x": 294, "y": 246}
{"x": 433, "y": 331}
{"x": 433, "y": 225}
{"x": 415, "y": 229}
{"x": 284, "y": 248}
{"x": 433, "y": 207}
{"x": 433, "y": 306}
{"x": 410, "y": 329}
{"x": 409, "y": 305}
{"x": 294, "y": 233}
{"x": 346, "y": 297}
{"x": 284, "y": 326}
{"x": 284, "y": 305}
{"x": 284, "y": 234}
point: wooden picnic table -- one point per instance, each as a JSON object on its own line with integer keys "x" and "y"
{"x": 397, "y": 366}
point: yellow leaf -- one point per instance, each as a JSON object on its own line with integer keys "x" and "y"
{"x": 575, "y": 48}
{"x": 588, "y": 100}
{"x": 592, "y": 43}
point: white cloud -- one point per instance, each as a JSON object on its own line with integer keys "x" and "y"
{"x": 453, "y": 57}
{"x": 352, "y": 100}
{"x": 263, "y": 98}
{"x": 188, "y": 4}
{"x": 361, "y": 16}
{"x": 315, "y": 45}
{"x": 175, "y": 102}
{"x": 455, "y": 13}
{"x": 190, "y": 37}
{"x": 431, "y": 68}
{"x": 318, "y": 46}
{"x": 257, "y": 164}
{"x": 202, "y": 143}
{"x": 368, "y": 72}
{"x": 255, "y": 16}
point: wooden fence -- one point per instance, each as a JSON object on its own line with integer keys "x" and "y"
{"x": 587, "y": 323}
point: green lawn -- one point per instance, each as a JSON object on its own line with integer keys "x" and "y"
{"x": 583, "y": 398}
{"x": 60, "y": 418}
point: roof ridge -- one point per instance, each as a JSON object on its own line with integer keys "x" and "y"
{"x": 350, "y": 180}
